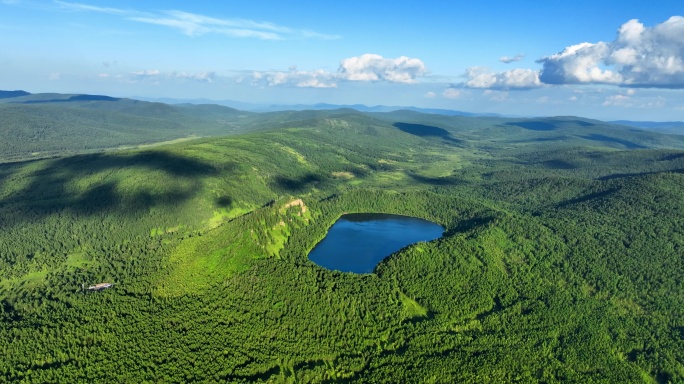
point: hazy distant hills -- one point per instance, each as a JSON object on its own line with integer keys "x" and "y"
{"x": 672, "y": 127}
{"x": 41, "y": 125}
{"x": 254, "y": 107}
{"x": 377, "y": 108}
{"x": 51, "y": 124}
{"x": 8, "y": 94}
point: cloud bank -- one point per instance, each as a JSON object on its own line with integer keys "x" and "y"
{"x": 364, "y": 68}
{"x": 640, "y": 56}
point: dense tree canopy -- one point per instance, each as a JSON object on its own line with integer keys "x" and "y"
{"x": 561, "y": 261}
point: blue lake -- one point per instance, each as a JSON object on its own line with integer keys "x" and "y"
{"x": 357, "y": 242}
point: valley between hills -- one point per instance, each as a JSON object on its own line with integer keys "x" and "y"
{"x": 561, "y": 259}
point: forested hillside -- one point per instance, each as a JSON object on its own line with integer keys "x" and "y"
{"x": 48, "y": 125}
{"x": 561, "y": 260}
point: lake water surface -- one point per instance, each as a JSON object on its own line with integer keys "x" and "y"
{"x": 357, "y": 242}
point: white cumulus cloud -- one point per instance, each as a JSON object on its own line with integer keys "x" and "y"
{"x": 482, "y": 77}
{"x": 296, "y": 78}
{"x": 370, "y": 67}
{"x": 495, "y": 95}
{"x": 147, "y": 72}
{"x": 640, "y": 56}
{"x": 580, "y": 63}
{"x": 209, "y": 77}
{"x": 628, "y": 98}
{"x": 618, "y": 100}
{"x": 451, "y": 93}
{"x": 156, "y": 74}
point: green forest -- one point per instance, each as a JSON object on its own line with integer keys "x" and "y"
{"x": 561, "y": 259}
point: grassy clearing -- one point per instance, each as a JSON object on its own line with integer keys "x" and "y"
{"x": 411, "y": 307}
{"x": 383, "y": 161}
{"x": 390, "y": 177}
{"x": 200, "y": 262}
{"x": 223, "y": 215}
{"x": 29, "y": 281}
{"x": 157, "y": 144}
{"x": 343, "y": 175}
{"x": 278, "y": 237}
{"x": 77, "y": 260}
{"x": 300, "y": 158}
{"x": 451, "y": 162}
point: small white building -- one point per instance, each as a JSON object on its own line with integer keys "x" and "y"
{"x": 100, "y": 286}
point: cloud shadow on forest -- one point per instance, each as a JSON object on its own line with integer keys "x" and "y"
{"x": 540, "y": 140}
{"x": 545, "y": 126}
{"x": 673, "y": 156}
{"x": 426, "y": 131}
{"x": 607, "y": 139}
{"x": 559, "y": 164}
{"x": 534, "y": 125}
{"x": 296, "y": 184}
{"x": 624, "y": 175}
{"x": 586, "y": 198}
{"x": 468, "y": 224}
{"x": 436, "y": 181}
{"x": 71, "y": 99}
{"x": 53, "y": 187}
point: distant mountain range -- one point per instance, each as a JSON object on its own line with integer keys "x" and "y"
{"x": 52, "y": 124}
{"x": 20, "y": 96}
{"x": 671, "y": 127}
{"x": 379, "y": 108}
{"x": 10, "y": 94}
{"x": 253, "y": 107}
{"x": 28, "y": 98}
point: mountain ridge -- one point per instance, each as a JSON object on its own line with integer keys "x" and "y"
{"x": 46, "y": 125}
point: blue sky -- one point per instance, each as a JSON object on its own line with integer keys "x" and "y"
{"x": 608, "y": 59}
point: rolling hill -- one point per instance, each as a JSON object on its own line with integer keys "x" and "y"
{"x": 672, "y": 127}
{"x": 48, "y": 125}
{"x": 561, "y": 260}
